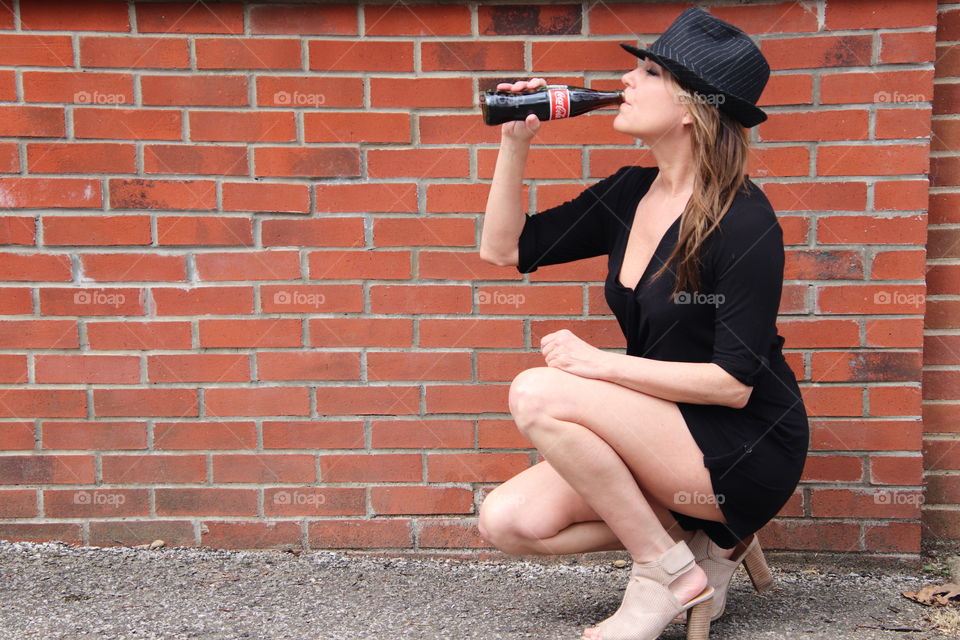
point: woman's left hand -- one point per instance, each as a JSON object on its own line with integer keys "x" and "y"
{"x": 564, "y": 350}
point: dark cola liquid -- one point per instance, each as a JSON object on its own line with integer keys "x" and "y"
{"x": 552, "y": 102}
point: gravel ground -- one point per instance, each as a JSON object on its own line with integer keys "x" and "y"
{"x": 54, "y": 590}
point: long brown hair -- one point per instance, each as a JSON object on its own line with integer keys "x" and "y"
{"x": 720, "y": 152}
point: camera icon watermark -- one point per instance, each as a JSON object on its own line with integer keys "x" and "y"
{"x": 98, "y": 498}
{"x": 500, "y": 297}
{"x": 299, "y": 498}
{"x": 98, "y": 297}
{"x": 896, "y": 96}
{"x": 697, "y": 297}
{"x": 892, "y": 496}
{"x": 95, "y": 97}
{"x": 899, "y": 297}
{"x": 697, "y": 497}
{"x": 298, "y": 298}
{"x": 298, "y": 99}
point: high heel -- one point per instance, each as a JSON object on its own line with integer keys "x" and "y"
{"x": 720, "y": 570}
{"x": 648, "y": 604}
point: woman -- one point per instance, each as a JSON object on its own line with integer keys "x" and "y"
{"x": 701, "y": 423}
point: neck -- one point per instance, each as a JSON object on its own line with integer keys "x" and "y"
{"x": 676, "y": 168}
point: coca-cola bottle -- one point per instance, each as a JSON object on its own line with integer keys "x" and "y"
{"x": 550, "y": 102}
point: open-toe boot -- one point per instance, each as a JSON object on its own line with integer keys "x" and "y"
{"x": 720, "y": 570}
{"x": 649, "y": 605}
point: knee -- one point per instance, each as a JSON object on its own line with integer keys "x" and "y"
{"x": 497, "y": 523}
{"x": 530, "y": 393}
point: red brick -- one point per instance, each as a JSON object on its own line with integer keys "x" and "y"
{"x": 844, "y": 124}
{"x": 57, "y": 15}
{"x": 503, "y": 20}
{"x": 250, "y": 535}
{"x": 197, "y": 160}
{"x": 128, "y": 334}
{"x": 123, "y": 267}
{"x": 130, "y": 52}
{"x": 108, "y": 436}
{"x": 390, "y": 197}
{"x": 297, "y": 298}
{"x": 103, "y": 89}
{"x": 81, "y": 158}
{"x": 257, "y": 401}
{"x": 249, "y": 265}
{"x": 199, "y": 367}
{"x": 195, "y": 90}
{"x": 359, "y": 265}
{"x": 208, "y": 501}
{"x": 221, "y": 300}
{"x": 35, "y": 193}
{"x": 356, "y": 534}
{"x": 309, "y": 91}
{"x": 154, "y": 468}
{"x": 96, "y": 503}
{"x": 110, "y": 533}
{"x": 145, "y": 402}
{"x": 127, "y": 124}
{"x": 313, "y": 434}
{"x": 356, "y": 332}
{"x": 367, "y": 56}
{"x": 471, "y": 57}
{"x": 421, "y": 500}
{"x": 818, "y": 52}
{"x": 307, "y": 163}
{"x": 356, "y": 127}
{"x": 292, "y": 365}
{"x": 304, "y": 20}
{"x": 258, "y": 196}
{"x": 47, "y": 469}
{"x": 854, "y": 160}
{"x": 37, "y": 50}
{"x": 421, "y": 20}
{"x": 38, "y": 334}
{"x": 264, "y": 468}
{"x": 421, "y": 434}
{"x": 163, "y": 194}
{"x": 43, "y": 122}
{"x": 205, "y": 231}
{"x": 357, "y": 400}
{"x": 261, "y": 333}
{"x": 226, "y": 126}
{"x": 86, "y": 369}
{"x": 96, "y": 230}
{"x": 864, "y": 14}
{"x": 35, "y": 266}
{"x": 204, "y": 435}
{"x": 189, "y": 17}
{"x": 247, "y": 53}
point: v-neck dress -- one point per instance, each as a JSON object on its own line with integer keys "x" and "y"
{"x": 755, "y": 454}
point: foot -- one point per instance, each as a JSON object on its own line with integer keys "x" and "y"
{"x": 685, "y": 588}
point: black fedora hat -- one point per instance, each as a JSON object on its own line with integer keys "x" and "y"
{"x": 714, "y": 58}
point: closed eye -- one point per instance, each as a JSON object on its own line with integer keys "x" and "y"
{"x": 652, "y": 72}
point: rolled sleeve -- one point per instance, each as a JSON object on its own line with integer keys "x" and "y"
{"x": 577, "y": 229}
{"x": 750, "y": 260}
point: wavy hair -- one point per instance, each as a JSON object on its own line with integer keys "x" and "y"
{"x": 720, "y": 152}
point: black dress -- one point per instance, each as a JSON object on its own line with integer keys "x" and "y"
{"x": 755, "y": 455}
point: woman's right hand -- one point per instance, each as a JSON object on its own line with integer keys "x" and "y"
{"x": 521, "y": 130}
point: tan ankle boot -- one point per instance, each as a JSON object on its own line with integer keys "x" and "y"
{"x": 720, "y": 570}
{"x": 648, "y": 604}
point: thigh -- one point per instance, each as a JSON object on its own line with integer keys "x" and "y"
{"x": 648, "y": 433}
{"x": 539, "y": 502}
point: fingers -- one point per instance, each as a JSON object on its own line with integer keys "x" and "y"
{"x": 521, "y": 85}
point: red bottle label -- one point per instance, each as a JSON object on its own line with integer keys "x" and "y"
{"x": 559, "y": 103}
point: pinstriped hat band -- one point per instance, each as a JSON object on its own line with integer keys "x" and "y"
{"x": 712, "y": 57}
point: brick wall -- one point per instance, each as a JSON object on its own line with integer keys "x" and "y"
{"x": 941, "y": 355}
{"x": 244, "y": 305}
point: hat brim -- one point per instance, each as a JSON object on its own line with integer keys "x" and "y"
{"x": 747, "y": 114}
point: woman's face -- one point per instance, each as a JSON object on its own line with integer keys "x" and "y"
{"x": 651, "y": 109}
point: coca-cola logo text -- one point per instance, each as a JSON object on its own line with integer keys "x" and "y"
{"x": 559, "y": 103}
